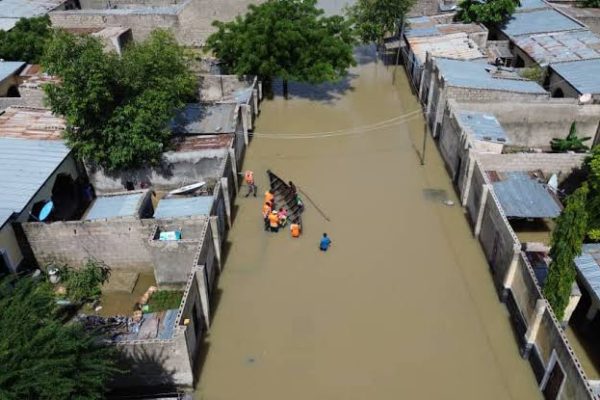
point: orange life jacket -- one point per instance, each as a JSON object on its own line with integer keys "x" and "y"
{"x": 269, "y": 197}
{"x": 273, "y": 220}
{"x": 249, "y": 177}
{"x": 266, "y": 210}
{"x": 295, "y": 228}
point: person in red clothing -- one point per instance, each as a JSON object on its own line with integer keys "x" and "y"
{"x": 249, "y": 179}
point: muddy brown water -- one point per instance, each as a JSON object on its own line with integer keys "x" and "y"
{"x": 401, "y": 307}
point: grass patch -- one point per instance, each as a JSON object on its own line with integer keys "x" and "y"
{"x": 165, "y": 300}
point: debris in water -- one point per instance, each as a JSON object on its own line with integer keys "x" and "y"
{"x": 250, "y": 360}
{"x": 448, "y": 202}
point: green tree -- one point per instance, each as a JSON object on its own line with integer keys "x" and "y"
{"x": 567, "y": 239}
{"x": 43, "y": 358}
{"x": 118, "y": 108}
{"x": 85, "y": 284}
{"x": 289, "y": 39}
{"x": 591, "y": 3}
{"x": 571, "y": 143}
{"x": 491, "y": 12}
{"x": 26, "y": 41}
{"x": 373, "y": 19}
{"x": 592, "y": 168}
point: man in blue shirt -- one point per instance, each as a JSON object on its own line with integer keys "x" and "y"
{"x": 325, "y": 243}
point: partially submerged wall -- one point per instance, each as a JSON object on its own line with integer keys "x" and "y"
{"x": 531, "y": 124}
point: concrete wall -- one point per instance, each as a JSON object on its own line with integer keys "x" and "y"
{"x": 169, "y": 362}
{"x": 121, "y": 243}
{"x": 173, "y": 259}
{"x": 549, "y": 163}
{"x": 125, "y": 243}
{"x": 10, "y": 245}
{"x": 191, "y": 23}
{"x": 532, "y": 124}
{"x": 557, "y": 82}
{"x": 178, "y": 169}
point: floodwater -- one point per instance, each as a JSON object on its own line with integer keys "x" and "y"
{"x": 401, "y": 307}
{"x": 123, "y": 302}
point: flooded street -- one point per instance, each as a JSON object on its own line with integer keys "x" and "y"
{"x": 401, "y": 307}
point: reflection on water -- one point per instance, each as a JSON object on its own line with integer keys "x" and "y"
{"x": 401, "y": 307}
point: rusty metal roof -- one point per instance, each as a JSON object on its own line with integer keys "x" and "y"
{"x": 559, "y": 47}
{"x": 203, "y": 142}
{"x": 31, "y": 123}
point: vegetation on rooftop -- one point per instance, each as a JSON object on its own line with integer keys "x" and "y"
{"x": 571, "y": 143}
{"x": 489, "y": 12}
{"x": 533, "y": 73}
{"x": 288, "y": 39}
{"x": 84, "y": 284}
{"x": 567, "y": 239}
{"x": 118, "y": 107}
{"x": 26, "y": 41}
{"x": 373, "y": 19}
{"x": 43, "y": 358}
{"x": 165, "y": 300}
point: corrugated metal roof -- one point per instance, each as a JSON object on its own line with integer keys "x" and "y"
{"x": 25, "y": 165}
{"x": 9, "y": 68}
{"x": 27, "y": 8}
{"x": 482, "y": 126}
{"x": 472, "y": 74}
{"x": 583, "y": 75}
{"x": 539, "y": 21}
{"x": 205, "y": 119}
{"x": 521, "y": 196}
{"x": 183, "y": 207}
{"x": 31, "y": 123}
{"x": 455, "y": 46}
{"x": 588, "y": 269}
{"x": 126, "y": 205}
{"x": 559, "y": 47}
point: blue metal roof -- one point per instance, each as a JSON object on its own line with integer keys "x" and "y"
{"x": 539, "y": 21}
{"x": 127, "y": 205}
{"x": 183, "y": 207}
{"x": 521, "y": 196}
{"x": 483, "y": 126}
{"x": 27, "y": 8}
{"x": 532, "y": 4}
{"x": 550, "y": 48}
{"x": 588, "y": 269}
{"x": 25, "y": 165}
{"x": 473, "y": 74}
{"x": 200, "y": 119}
{"x": 583, "y": 75}
{"x": 9, "y": 68}
{"x": 420, "y": 32}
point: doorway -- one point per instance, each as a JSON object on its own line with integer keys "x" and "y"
{"x": 555, "y": 380}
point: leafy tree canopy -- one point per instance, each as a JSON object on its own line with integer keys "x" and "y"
{"x": 373, "y": 19}
{"x": 118, "y": 108}
{"x": 42, "y": 358}
{"x": 489, "y": 12}
{"x": 567, "y": 239}
{"x": 290, "y": 39}
{"x": 26, "y": 40}
{"x": 591, "y": 3}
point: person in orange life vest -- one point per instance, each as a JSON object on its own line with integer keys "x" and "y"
{"x": 266, "y": 211}
{"x": 249, "y": 179}
{"x": 282, "y": 214}
{"x": 274, "y": 221}
{"x": 295, "y": 229}
{"x": 269, "y": 197}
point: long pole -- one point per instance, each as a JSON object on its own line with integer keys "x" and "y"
{"x": 424, "y": 140}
